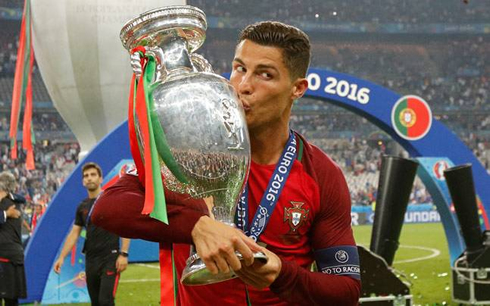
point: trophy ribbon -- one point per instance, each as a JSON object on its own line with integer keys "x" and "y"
{"x": 149, "y": 169}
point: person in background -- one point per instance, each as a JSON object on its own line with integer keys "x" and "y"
{"x": 12, "y": 274}
{"x": 105, "y": 258}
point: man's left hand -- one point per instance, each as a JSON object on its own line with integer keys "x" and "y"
{"x": 121, "y": 263}
{"x": 260, "y": 275}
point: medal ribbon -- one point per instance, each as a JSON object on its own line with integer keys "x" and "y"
{"x": 271, "y": 194}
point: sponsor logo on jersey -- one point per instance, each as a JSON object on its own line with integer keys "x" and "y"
{"x": 411, "y": 117}
{"x": 295, "y": 216}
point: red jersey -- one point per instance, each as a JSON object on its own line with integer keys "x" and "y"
{"x": 312, "y": 214}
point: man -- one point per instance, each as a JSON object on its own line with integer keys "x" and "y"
{"x": 310, "y": 222}
{"x": 12, "y": 275}
{"x": 103, "y": 258}
{"x": 36, "y": 215}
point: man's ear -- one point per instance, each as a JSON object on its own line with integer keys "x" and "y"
{"x": 299, "y": 88}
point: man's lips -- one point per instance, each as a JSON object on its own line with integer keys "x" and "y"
{"x": 245, "y": 106}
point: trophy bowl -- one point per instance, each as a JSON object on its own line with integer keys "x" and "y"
{"x": 199, "y": 123}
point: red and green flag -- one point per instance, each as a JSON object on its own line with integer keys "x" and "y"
{"x": 22, "y": 91}
{"x": 411, "y": 117}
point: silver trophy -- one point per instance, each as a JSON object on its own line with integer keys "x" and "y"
{"x": 201, "y": 135}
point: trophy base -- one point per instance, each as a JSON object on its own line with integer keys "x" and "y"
{"x": 195, "y": 272}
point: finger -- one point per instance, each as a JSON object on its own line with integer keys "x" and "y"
{"x": 122, "y": 268}
{"x": 222, "y": 264}
{"x": 252, "y": 244}
{"x": 233, "y": 261}
{"x": 211, "y": 266}
{"x": 209, "y": 262}
{"x": 243, "y": 247}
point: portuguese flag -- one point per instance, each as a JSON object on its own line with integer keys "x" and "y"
{"x": 411, "y": 117}
{"x": 22, "y": 91}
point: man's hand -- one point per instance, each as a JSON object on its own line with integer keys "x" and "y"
{"x": 260, "y": 275}
{"x": 121, "y": 263}
{"x": 13, "y": 212}
{"x": 217, "y": 242}
{"x": 58, "y": 264}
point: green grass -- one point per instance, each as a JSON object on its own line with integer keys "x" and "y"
{"x": 430, "y": 279}
{"x": 132, "y": 292}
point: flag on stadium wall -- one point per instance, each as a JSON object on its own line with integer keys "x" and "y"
{"x": 22, "y": 91}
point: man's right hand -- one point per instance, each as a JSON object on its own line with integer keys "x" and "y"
{"x": 13, "y": 212}
{"x": 217, "y": 242}
{"x": 58, "y": 264}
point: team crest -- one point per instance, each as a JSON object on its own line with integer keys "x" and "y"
{"x": 295, "y": 216}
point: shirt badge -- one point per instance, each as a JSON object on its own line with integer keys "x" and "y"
{"x": 295, "y": 216}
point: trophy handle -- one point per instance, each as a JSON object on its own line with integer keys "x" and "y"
{"x": 195, "y": 273}
{"x": 200, "y": 63}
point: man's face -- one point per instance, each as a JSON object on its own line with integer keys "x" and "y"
{"x": 91, "y": 179}
{"x": 263, "y": 84}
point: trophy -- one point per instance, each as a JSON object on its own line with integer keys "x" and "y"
{"x": 200, "y": 116}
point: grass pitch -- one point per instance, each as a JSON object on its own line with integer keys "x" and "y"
{"x": 430, "y": 277}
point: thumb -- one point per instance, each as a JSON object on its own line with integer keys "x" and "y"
{"x": 254, "y": 247}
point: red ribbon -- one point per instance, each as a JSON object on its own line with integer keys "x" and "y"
{"x": 167, "y": 281}
{"x": 17, "y": 90}
{"x": 27, "y": 126}
{"x": 133, "y": 140}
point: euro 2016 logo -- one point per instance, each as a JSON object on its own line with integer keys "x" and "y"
{"x": 438, "y": 169}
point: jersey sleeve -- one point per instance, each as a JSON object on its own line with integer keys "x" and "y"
{"x": 3, "y": 210}
{"x": 331, "y": 231}
{"x": 3, "y": 216}
{"x": 79, "y": 217}
{"x": 118, "y": 210}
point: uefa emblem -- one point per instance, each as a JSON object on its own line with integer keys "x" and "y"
{"x": 342, "y": 256}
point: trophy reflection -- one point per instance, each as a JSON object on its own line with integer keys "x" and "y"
{"x": 204, "y": 140}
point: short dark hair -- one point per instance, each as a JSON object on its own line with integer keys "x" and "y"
{"x": 91, "y": 165}
{"x": 295, "y": 44}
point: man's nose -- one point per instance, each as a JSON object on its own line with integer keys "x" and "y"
{"x": 245, "y": 87}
